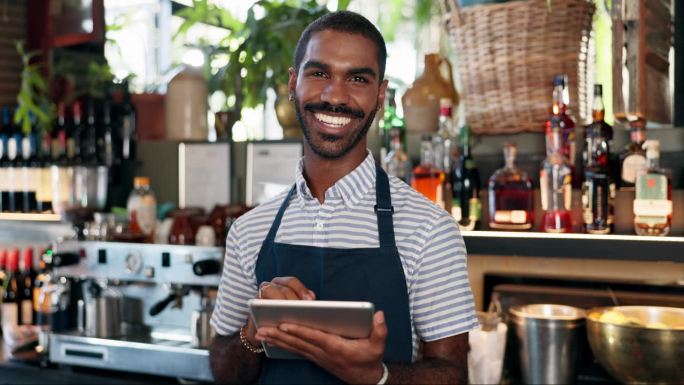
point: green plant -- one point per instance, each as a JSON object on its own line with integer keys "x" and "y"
{"x": 260, "y": 50}
{"x": 32, "y": 99}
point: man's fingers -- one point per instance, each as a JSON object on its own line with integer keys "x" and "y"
{"x": 296, "y": 286}
{"x": 290, "y": 342}
{"x": 379, "y": 332}
{"x": 269, "y": 290}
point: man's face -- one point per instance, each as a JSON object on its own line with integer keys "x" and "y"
{"x": 337, "y": 92}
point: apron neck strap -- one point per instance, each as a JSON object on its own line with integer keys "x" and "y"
{"x": 383, "y": 208}
{"x": 279, "y": 217}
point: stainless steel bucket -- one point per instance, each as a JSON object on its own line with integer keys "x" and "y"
{"x": 549, "y": 337}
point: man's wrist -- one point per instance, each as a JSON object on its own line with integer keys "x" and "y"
{"x": 247, "y": 344}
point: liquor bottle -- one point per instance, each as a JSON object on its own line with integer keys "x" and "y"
{"x": 390, "y": 120}
{"x": 43, "y": 163}
{"x": 76, "y": 132}
{"x": 13, "y": 165}
{"x": 466, "y": 207}
{"x": 444, "y": 144}
{"x": 597, "y": 135}
{"x": 555, "y": 183}
{"x": 426, "y": 178}
{"x": 107, "y": 145}
{"x": 41, "y": 303}
{"x": 75, "y": 135}
{"x": 128, "y": 128}
{"x": 62, "y": 173}
{"x": 634, "y": 156}
{"x": 598, "y": 187}
{"x": 3, "y": 269}
{"x": 4, "y": 160}
{"x": 25, "y": 286}
{"x": 560, "y": 107}
{"x": 511, "y": 198}
{"x": 10, "y": 305}
{"x": 397, "y": 162}
{"x": 142, "y": 208}
{"x": 28, "y": 172}
{"x": 653, "y": 203}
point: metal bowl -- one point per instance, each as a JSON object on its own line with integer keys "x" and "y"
{"x": 638, "y": 344}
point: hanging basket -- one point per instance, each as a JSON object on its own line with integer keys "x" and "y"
{"x": 507, "y": 55}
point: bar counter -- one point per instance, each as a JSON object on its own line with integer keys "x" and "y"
{"x": 26, "y": 369}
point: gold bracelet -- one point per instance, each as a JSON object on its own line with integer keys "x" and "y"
{"x": 248, "y": 345}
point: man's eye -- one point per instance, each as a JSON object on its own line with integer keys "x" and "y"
{"x": 359, "y": 79}
{"x": 318, "y": 74}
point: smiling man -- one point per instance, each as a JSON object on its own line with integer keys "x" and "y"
{"x": 345, "y": 231}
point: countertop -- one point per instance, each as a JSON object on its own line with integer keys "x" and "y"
{"x": 27, "y": 369}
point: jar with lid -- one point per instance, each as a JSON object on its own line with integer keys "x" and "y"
{"x": 142, "y": 208}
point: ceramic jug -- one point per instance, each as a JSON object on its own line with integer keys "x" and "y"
{"x": 186, "y": 106}
{"x": 421, "y": 100}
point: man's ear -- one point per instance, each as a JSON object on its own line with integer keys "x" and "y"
{"x": 292, "y": 83}
{"x": 381, "y": 93}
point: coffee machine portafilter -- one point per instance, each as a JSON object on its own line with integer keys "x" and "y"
{"x": 142, "y": 308}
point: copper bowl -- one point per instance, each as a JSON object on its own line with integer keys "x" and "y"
{"x": 638, "y": 344}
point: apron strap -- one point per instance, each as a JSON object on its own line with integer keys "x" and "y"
{"x": 383, "y": 208}
{"x": 276, "y": 222}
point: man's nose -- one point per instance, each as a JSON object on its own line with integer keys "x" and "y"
{"x": 335, "y": 93}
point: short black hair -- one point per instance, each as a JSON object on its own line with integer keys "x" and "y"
{"x": 343, "y": 21}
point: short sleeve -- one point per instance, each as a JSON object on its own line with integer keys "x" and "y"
{"x": 443, "y": 301}
{"x": 235, "y": 289}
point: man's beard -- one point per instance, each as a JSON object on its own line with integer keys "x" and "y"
{"x": 344, "y": 143}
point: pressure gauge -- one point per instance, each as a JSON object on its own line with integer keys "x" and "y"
{"x": 134, "y": 262}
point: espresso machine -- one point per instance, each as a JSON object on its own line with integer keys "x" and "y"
{"x": 141, "y": 308}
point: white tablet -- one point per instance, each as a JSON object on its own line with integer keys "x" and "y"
{"x": 349, "y": 319}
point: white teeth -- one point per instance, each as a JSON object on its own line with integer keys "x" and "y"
{"x": 332, "y": 120}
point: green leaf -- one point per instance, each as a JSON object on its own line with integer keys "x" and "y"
{"x": 342, "y": 4}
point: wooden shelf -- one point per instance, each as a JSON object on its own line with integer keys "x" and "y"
{"x": 31, "y": 217}
{"x": 585, "y": 246}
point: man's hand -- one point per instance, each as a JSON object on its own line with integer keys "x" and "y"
{"x": 351, "y": 360}
{"x": 278, "y": 288}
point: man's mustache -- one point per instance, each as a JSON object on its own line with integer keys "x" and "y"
{"x": 327, "y": 107}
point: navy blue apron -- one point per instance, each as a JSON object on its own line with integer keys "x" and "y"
{"x": 364, "y": 274}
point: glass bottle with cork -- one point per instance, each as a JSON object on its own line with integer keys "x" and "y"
{"x": 653, "y": 203}
{"x": 511, "y": 197}
{"x": 142, "y": 209}
{"x": 555, "y": 181}
{"x": 598, "y": 187}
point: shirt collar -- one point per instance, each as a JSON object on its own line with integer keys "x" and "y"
{"x": 351, "y": 188}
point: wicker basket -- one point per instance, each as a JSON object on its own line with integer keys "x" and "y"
{"x": 507, "y": 56}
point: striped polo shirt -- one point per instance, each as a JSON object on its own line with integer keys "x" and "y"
{"x": 431, "y": 249}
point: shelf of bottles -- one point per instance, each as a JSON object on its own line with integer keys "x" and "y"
{"x": 44, "y": 174}
{"x": 447, "y": 174}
